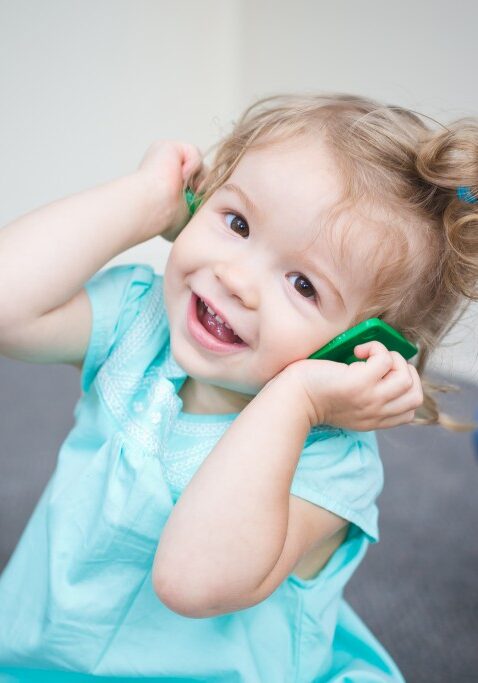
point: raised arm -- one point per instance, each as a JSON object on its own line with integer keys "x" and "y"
{"x": 48, "y": 254}
{"x": 228, "y": 528}
{"x": 236, "y": 532}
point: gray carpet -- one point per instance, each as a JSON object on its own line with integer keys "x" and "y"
{"x": 417, "y": 589}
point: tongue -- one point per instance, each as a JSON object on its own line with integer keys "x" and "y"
{"x": 217, "y": 329}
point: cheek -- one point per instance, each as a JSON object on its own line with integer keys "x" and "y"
{"x": 181, "y": 261}
{"x": 175, "y": 276}
{"x": 284, "y": 343}
{"x": 190, "y": 249}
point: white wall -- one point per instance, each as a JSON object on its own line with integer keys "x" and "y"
{"x": 86, "y": 85}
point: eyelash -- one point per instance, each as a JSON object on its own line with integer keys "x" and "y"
{"x": 237, "y": 215}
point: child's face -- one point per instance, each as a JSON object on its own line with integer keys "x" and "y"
{"x": 274, "y": 275}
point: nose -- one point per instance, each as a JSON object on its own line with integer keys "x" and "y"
{"x": 239, "y": 281}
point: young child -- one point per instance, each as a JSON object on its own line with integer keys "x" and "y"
{"x": 218, "y": 488}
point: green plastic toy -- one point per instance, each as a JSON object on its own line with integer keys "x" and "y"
{"x": 341, "y": 348}
{"x": 192, "y": 200}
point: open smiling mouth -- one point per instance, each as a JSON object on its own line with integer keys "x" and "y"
{"x": 210, "y": 332}
{"x": 213, "y": 324}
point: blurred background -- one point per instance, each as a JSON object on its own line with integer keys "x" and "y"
{"x": 87, "y": 85}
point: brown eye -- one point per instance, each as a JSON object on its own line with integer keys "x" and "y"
{"x": 304, "y": 287}
{"x": 237, "y": 224}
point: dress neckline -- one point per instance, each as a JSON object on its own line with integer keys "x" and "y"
{"x": 209, "y": 417}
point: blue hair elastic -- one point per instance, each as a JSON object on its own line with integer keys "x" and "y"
{"x": 466, "y": 195}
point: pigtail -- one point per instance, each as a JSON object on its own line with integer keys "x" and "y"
{"x": 447, "y": 161}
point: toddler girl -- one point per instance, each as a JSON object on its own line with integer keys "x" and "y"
{"x": 218, "y": 488}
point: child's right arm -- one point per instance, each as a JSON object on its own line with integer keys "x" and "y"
{"x": 47, "y": 255}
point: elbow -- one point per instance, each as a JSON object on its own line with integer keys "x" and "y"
{"x": 180, "y": 603}
{"x": 183, "y": 598}
{"x": 195, "y": 601}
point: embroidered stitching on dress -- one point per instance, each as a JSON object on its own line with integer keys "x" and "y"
{"x": 114, "y": 381}
{"x": 202, "y": 429}
{"x": 179, "y": 466}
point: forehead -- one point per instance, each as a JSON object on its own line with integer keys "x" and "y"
{"x": 297, "y": 178}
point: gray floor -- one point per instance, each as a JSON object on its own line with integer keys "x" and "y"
{"x": 417, "y": 589}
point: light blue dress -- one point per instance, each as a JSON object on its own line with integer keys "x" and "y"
{"x": 76, "y": 598}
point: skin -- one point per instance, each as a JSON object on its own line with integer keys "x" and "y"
{"x": 255, "y": 273}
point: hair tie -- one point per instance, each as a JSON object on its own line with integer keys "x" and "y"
{"x": 466, "y": 195}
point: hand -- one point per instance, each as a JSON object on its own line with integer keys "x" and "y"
{"x": 165, "y": 167}
{"x": 382, "y": 392}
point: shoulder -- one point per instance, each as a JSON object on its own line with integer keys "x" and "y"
{"x": 119, "y": 296}
{"x": 341, "y": 470}
{"x": 120, "y": 293}
{"x": 117, "y": 281}
{"x": 342, "y": 450}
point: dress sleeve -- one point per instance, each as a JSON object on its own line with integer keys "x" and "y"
{"x": 341, "y": 471}
{"x": 116, "y": 295}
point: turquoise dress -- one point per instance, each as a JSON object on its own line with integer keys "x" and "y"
{"x": 76, "y": 598}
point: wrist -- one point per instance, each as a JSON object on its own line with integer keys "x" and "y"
{"x": 316, "y": 390}
{"x": 289, "y": 384}
{"x": 166, "y": 209}
{"x": 153, "y": 207}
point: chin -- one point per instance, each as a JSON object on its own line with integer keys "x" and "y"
{"x": 193, "y": 370}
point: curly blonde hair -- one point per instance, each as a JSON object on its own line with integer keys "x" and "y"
{"x": 399, "y": 175}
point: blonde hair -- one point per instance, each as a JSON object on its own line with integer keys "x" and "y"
{"x": 405, "y": 175}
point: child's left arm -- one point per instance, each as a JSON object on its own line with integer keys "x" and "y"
{"x": 236, "y": 532}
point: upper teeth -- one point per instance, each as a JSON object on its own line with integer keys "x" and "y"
{"x": 219, "y": 319}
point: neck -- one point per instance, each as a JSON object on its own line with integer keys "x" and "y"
{"x": 202, "y": 398}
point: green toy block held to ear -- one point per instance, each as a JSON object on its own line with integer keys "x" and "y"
{"x": 193, "y": 201}
{"x": 341, "y": 348}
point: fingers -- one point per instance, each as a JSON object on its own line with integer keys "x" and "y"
{"x": 398, "y": 398}
{"x": 401, "y": 378}
{"x": 397, "y": 420}
{"x": 162, "y": 151}
{"x": 379, "y": 359}
{"x": 192, "y": 161}
{"x": 390, "y": 366}
{"x": 398, "y": 382}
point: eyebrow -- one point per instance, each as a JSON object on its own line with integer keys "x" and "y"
{"x": 251, "y": 207}
{"x": 248, "y": 203}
